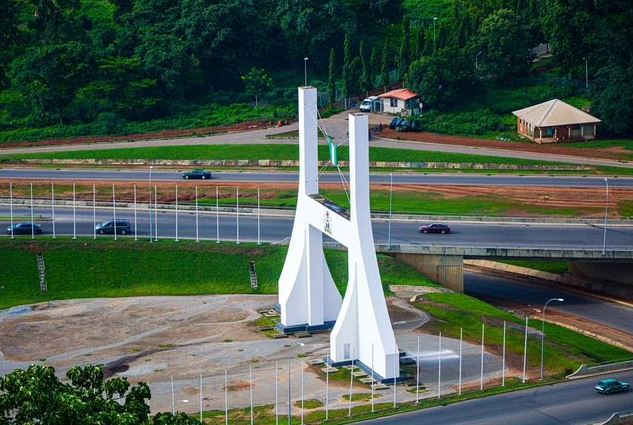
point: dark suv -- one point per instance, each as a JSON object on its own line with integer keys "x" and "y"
{"x": 108, "y": 227}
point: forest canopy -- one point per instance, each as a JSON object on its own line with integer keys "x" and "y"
{"x": 80, "y": 61}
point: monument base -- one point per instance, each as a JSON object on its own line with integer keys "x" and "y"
{"x": 362, "y": 366}
{"x": 291, "y": 329}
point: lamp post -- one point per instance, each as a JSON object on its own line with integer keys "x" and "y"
{"x": 543, "y": 330}
{"x": 586, "y": 72}
{"x": 434, "y": 35}
{"x": 477, "y": 60}
{"x": 305, "y": 72}
{"x": 149, "y": 202}
{"x": 606, "y": 214}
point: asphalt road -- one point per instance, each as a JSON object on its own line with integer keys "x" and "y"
{"x": 275, "y": 229}
{"x": 574, "y": 402}
{"x": 262, "y": 177}
{"x": 531, "y": 294}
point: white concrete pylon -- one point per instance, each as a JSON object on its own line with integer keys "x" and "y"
{"x": 308, "y": 298}
{"x": 364, "y": 320}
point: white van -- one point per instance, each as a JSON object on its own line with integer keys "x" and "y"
{"x": 365, "y": 105}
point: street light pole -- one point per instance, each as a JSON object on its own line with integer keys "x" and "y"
{"x": 586, "y": 73}
{"x": 543, "y": 330}
{"x": 477, "y": 60}
{"x": 149, "y": 202}
{"x": 606, "y": 214}
{"x": 434, "y": 35}
{"x": 305, "y": 72}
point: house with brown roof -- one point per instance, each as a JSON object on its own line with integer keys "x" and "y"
{"x": 555, "y": 121}
{"x": 401, "y": 101}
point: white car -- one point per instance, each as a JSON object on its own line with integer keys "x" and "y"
{"x": 365, "y": 105}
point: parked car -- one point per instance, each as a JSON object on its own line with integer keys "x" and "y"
{"x": 435, "y": 228}
{"x": 610, "y": 386}
{"x": 365, "y": 105}
{"x": 122, "y": 227}
{"x": 25, "y": 229}
{"x": 197, "y": 174}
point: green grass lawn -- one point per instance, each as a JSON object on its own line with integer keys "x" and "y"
{"x": 565, "y": 350}
{"x": 87, "y": 269}
{"x": 625, "y": 209}
{"x": 196, "y": 116}
{"x": 274, "y": 152}
{"x": 550, "y": 266}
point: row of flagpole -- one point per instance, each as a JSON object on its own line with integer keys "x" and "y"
{"x": 351, "y": 381}
{"x": 153, "y": 215}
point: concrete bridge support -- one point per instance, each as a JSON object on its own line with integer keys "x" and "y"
{"x": 447, "y": 270}
{"x": 608, "y": 278}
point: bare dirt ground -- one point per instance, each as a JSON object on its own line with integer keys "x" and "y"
{"x": 155, "y": 339}
{"x": 587, "y": 202}
{"x": 558, "y": 149}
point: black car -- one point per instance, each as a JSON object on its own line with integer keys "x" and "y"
{"x": 197, "y": 174}
{"x": 108, "y": 227}
{"x": 435, "y": 228}
{"x": 25, "y": 229}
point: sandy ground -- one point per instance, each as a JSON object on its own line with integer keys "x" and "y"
{"x": 197, "y": 339}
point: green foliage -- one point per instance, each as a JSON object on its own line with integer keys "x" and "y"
{"x": 443, "y": 79}
{"x": 257, "y": 82}
{"x": 347, "y": 66}
{"x": 331, "y": 82}
{"x": 36, "y": 395}
{"x": 505, "y": 47}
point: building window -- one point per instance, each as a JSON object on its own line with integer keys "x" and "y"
{"x": 393, "y": 103}
{"x": 549, "y": 132}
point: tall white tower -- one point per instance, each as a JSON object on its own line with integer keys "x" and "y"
{"x": 308, "y": 297}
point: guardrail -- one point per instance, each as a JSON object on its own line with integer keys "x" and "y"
{"x": 289, "y": 212}
{"x": 585, "y": 370}
{"x": 619, "y": 418}
{"x": 517, "y": 251}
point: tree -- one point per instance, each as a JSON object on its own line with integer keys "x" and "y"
{"x": 347, "y": 62}
{"x": 613, "y": 97}
{"x": 331, "y": 82}
{"x": 443, "y": 79}
{"x": 384, "y": 67}
{"x": 364, "y": 68}
{"x": 257, "y": 82}
{"x": 505, "y": 46}
{"x": 36, "y": 395}
{"x": 403, "y": 59}
{"x": 374, "y": 65}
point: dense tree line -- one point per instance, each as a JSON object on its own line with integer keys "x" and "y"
{"x": 68, "y": 61}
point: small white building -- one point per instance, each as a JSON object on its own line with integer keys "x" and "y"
{"x": 401, "y": 101}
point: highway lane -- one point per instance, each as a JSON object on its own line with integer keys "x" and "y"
{"x": 572, "y": 403}
{"x": 291, "y": 177}
{"x": 275, "y": 229}
{"x": 534, "y": 295}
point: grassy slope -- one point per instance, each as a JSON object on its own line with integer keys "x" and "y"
{"x": 196, "y": 117}
{"x": 104, "y": 268}
{"x": 552, "y": 266}
{"x": 276, "y": 152}
{"x": 565, "y": 350}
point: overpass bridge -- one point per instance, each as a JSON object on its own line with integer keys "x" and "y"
{"x": 445, "y": 264}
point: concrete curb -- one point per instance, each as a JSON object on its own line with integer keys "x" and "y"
{"x": 294, "y": 163}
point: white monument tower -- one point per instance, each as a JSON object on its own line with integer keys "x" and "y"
{"x": 308, "y": 298}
